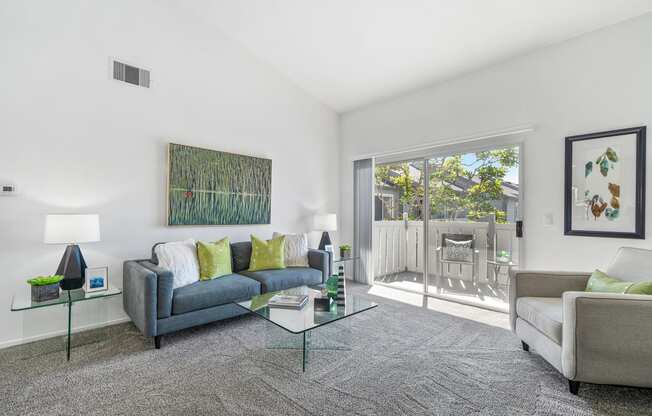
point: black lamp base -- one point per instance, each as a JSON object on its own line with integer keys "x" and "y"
{"x": 73, "y": 268}
{"x": 325, "y": 241}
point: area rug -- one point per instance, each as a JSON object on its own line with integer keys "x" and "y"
{"x": 401, "y": 360}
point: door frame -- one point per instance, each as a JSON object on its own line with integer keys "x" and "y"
{"x": 513, "y": 140}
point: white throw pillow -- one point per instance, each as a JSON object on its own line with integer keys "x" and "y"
{"x": 180, "y": 257}
{"x": 296, "y": 249}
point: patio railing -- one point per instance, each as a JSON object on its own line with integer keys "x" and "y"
{"x": 398, "y": 247}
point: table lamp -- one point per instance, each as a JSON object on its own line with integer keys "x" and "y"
{"x": 325, "y": 223}
{"x": 72, "y": 229}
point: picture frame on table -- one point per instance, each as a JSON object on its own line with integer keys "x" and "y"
{"x": 97, "y": 279}
{"x": 604, "y": 178}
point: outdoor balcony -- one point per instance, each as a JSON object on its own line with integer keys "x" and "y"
{"x": 399, "y": 260}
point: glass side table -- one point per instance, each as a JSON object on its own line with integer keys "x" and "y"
{"x": 497, "y": 264}
{"x": 22, "y": 301}
{"x": 345, "y": 259}
{"x": 341, "y": 262}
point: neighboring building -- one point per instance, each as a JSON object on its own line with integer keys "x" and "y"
{"x": 387, "y": 201}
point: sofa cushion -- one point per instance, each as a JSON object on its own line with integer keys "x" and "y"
{"x": 267, "y": 255}
{"x": 214, "y": 259}
{"x": 631, "y": 264}
{"x": 208, "y": 293}
{"x": 180, "y": 257}
{"x": 296, "y": 249}
{"x": 601, "y": 282}
{"x": 273, "y": 280}
{"x": 542, "y": 313}
{"x": 241, "y": 253}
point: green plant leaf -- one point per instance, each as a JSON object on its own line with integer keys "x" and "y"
{"x": 45, "y": 280}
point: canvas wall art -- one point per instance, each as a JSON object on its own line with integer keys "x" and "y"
{"x": 605, "y": 184}
{"x": 209, "y": 187}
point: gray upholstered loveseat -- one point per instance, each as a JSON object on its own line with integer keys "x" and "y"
{"x": 158, "y": 309}
{"x": 602, "y": 338}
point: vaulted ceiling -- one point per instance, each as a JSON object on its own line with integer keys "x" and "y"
{"x": 349, "y": 53}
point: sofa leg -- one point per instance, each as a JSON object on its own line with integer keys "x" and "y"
{"x": 157, "y": 342}
{"x": 525, "y": 346}
{"x": 573, "y": 386}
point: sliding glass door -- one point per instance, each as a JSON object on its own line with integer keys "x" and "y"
{"x": 398, "y": 238}
{"x": 446, "y": 225}
{"x": 473, "y": 208}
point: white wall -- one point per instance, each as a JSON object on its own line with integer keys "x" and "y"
{"x": 72, "y": 140}
{"x": 600, "y": 81}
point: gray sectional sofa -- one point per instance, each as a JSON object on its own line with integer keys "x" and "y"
{"x": 158, "y": 309}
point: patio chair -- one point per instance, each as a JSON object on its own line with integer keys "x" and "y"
{"x": 458, "y": 249}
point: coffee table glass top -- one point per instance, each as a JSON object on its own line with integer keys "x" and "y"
{"x": 22, "y": 300}
{"x": 305, "y": 319}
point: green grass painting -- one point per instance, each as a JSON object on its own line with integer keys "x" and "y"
{"x": 207, "y": 187}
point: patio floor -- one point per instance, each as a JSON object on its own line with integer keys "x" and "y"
{"x": 483, "y": 294}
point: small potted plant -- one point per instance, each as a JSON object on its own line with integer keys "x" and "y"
{"x": 345, "y": 251}
{"x": 503, "y": 256}
{"x": 45, "y": 287}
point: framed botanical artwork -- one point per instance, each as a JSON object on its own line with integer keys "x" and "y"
{"x": 605, "y": 184}
{"x": 97, "y": 279}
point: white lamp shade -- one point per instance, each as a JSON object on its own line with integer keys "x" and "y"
{"x": 71, "y": 228}
{"x": 325, "y": 222}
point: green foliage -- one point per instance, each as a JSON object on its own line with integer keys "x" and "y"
{"x": 450, "y": 193}
{"x": 410, "y": 189}
{"x": 45, "y": 280}
{"x": 345, "y": 247}
{"x": 490, "y": 168}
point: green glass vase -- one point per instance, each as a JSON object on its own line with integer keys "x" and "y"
{"x": 331, "y": 286}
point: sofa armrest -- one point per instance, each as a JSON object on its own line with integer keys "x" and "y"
{"x": 164, "y": 288}
{"x": 606, "y": 338}
{"x": 523, "y": 283}
{"x": 139, "y": 296}
{"x": 320, "y": 260}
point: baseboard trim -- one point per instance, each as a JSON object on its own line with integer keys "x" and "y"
{"x": 40, "y": 337}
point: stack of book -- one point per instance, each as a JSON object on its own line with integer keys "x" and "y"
{"x": 288, "y": 301}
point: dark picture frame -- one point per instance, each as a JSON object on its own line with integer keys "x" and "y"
{"x": 639, "y": 198}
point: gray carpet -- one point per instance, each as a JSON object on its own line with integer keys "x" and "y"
{"x": 404, "y": 360}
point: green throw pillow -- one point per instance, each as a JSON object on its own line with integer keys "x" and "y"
{"x": 600, "y": 282}
{"x": 214, "y": 259}
{"x": 267, "y": 255}
{"x": 640, "y": 288}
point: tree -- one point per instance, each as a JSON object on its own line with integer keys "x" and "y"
{"x": 411, "y": 191}
{"x": 458, "y": 187}
{"x": 450, "y": 176}
{"x": 410, "y": 188}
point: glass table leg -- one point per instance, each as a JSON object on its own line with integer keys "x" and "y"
{"x": 69, "y": 328}
{"x": 304, "y": 352}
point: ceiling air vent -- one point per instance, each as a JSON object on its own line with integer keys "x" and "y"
{"x": 130, "y": 74}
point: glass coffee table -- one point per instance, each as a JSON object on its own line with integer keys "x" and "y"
{"x": 306, "y": 319}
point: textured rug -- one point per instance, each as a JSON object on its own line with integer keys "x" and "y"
{"x": 403, "y": 360}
